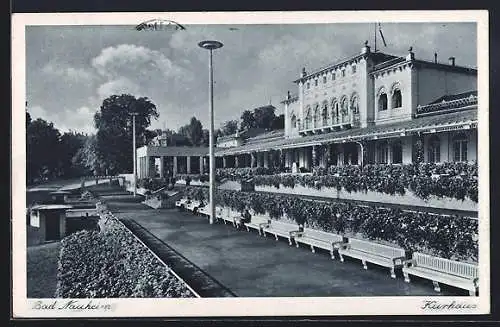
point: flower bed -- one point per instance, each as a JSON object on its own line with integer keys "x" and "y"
{"x": 452, "y": 180}
{"x": 239, "y": 174}
{"x": 112, "y": 263}
{"x": 453, "y": 237}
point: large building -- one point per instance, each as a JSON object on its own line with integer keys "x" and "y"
{"x": 370, "y": 108}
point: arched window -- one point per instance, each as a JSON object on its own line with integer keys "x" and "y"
{"x": 354, "y": 104}
{"x": 324, "y": 113}
{"x": 308, "y": 117}
{"x": 317, "y": 115}
{"x": 383, "y": 152}
{"x": 334, "y": 110}
{"x": 460, "y": 143}
{"x": 434, "y": 149}
{"x": 344, "y": 106}
{"x": 397, "y": 100}
{"x": 382, "y": 101}
{"x": 294, "y": 121}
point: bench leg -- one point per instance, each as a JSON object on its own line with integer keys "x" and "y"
{"x": 332, "y": 254}
{"x": 393, "y": 273}
{"x": 260, "y": 232}
{"x": 407, "y": 277}
{"x": 276, "y": 236}
{"x": 296, "y": 244}
{"x": 436, "y": 286}
{"x": 312, "y": 249}
{"x": 365, "y": 267}
{"x": 248, "y": 229}
{"x": 264, "y": 232}
{"x": 341, "y": 257}
{"x": 290, "y": 241}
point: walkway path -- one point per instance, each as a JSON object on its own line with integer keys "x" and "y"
{"x": 254, "y": 266}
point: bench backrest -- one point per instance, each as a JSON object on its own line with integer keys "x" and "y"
{"x": 318, "y": 234}
{"x": 259, "y": 219}
{"x": 452, "y": 267}
{"x": 283, "y": 225}
{"x": 376, "y": 248}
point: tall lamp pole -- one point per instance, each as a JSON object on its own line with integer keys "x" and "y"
{"x": 133, "y": 114}
{"x": 211, "y": 45}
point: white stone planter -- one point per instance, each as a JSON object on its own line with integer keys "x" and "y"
{"x": 408, "y": 199}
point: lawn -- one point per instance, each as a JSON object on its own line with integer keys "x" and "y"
{"x": 42, "y": 270}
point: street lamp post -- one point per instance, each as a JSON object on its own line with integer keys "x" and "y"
{"x": 133, "y": 114}
{"x": 211, "y": 45}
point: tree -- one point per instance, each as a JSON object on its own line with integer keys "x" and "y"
{"x": 70, "y": 143}
{"x": 229, "y": 127}
{"x": 278, "y": 122}
{"x": 113, "y": 122}
{"x": 193, "y": 131}
{"x": 42, "y": 150}
{"x": 247, "y": 120}
{"x": 264, "y": 117}
{"x": 86, "y": 159}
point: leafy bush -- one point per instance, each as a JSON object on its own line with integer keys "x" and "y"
{"x": 112, "y": 263}
{"x": 452, "y": 237}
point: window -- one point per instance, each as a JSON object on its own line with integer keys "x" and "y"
{"x": 316, "y": 116}
{"x": 354, "y": 69}
{"x": 294, "y": 121}
{"x": 333, "y": 76}
{"x": 344, "y": 106}
{"x": 354, "y": 105}
{"x": 315, "y": 82}
{"x": 396, "y": 99}
{"x": 383, "y": 153}
{"x": 308, "y": 85}
{"x": 343, "y": 73}
{"x": 308, "y": 118}
{"x": 382, "y": 102}
{"x": 397, "y": 153}
{"x": 460, "y": 147}
{"x": 324, "y": 79}
{"x": 324, "y": 114}
{"x": 434, "y": 149}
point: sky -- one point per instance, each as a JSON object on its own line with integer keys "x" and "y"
{"x": 70, "y": 70}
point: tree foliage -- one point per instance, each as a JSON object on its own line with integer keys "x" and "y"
{"x": 114, "y": 130}
{"x": 193, "y": 131}
{"x": 229, "y": 127}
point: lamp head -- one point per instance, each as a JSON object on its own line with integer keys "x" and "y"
{"x": 210, "y": 45}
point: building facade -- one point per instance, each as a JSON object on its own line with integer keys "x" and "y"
{"x": 372, "y": 108}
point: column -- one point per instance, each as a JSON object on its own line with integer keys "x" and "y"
{"x": 340, "y": 155}
{"x": 174, "y": 172}
{"x": 162, "y": 168}
{"x": 252, "y": 160}
{"x": 282, "y": 159}
{"x": 236, "y": 161}
{"x": 201, "y": 165}
{"x": 266, "y": 159}
{"x": 314, "y": 156}
{"x": 224, "y": 162}
{"x": 188, "y": 164}
{"x": 146, "y": 166}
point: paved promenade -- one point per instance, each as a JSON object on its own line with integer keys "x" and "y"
{"x": 254, "y": 266}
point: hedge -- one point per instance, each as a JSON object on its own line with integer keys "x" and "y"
{"x": 112, "y": 263}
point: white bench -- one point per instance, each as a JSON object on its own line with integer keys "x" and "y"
{"x": 440, "y": 270}
{"x": 316, "y": 238}
{"x": 181, "y": 203}
{"x": 379, "y": 254}
{"x": 205, "y": 210}
{"x": 191, "y": 205}
{"x": 225, "y": 214}
{"x": 279, "y": 228}
{"x": 257, "y": 222}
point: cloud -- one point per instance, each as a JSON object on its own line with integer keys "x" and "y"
{"x": 79, "y": 119}
{"x": 67, "y": 73}
{"x": 120, "y": 85}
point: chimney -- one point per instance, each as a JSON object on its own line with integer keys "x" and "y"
{"x": 435, "y": 57}
{"x": 452, "y": 61}
{"x": 304, "y": 74}
{"x": 366, "y": 48}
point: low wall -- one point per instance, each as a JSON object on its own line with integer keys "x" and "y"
{"x": 408, "y": 199}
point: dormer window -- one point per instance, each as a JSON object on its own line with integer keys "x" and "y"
{"x": 315, "y": 82}
{"x": 308, "y": 85}
{"x": 353, "y": 69}
{"x": 333, "y": 76}
{"x": 324, "y": 79}
{"x": 343, "y": 73}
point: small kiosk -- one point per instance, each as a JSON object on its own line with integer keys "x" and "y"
{"x": 51, "y": 221}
